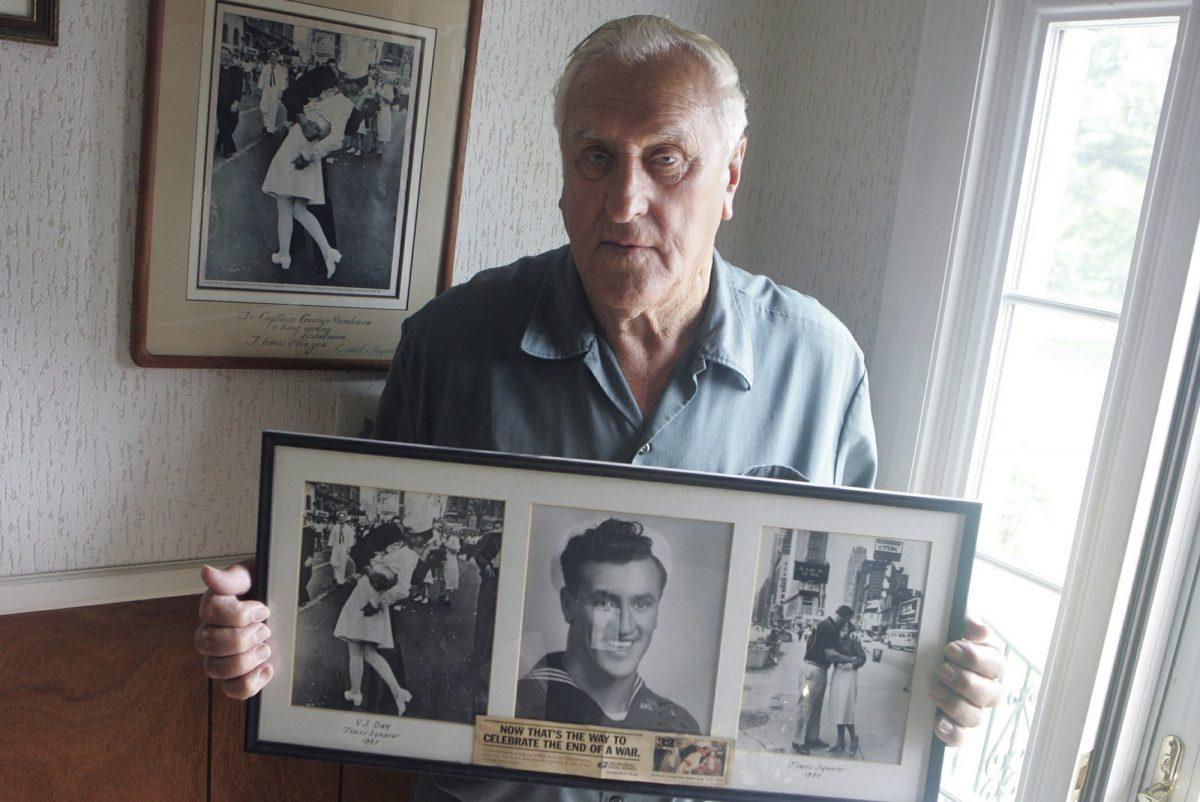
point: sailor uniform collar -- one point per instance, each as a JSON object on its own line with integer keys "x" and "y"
{"x": 550, "y": 670}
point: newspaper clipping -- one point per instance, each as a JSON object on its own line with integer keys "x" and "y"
{"x": 602, "y": 752}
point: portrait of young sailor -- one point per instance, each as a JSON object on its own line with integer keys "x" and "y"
{"x": 616, "y": 593}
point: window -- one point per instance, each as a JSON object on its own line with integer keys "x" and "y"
{"x": 1046, "y": 218}
{"x": 1074, "y": 225}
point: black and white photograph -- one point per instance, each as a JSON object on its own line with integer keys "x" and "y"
{"x": 397, "y": 601}
{"x": 622, "y": 619}
{"x": 627, "y": 602}
{"x": 308, "y": 184}
{"x": 829, "y": 669}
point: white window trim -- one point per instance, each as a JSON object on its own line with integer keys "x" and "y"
{"x": 928, "y": 362}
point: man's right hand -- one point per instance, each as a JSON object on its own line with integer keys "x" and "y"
{"x": 232, "y": 636}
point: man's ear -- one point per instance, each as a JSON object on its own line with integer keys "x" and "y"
{"x": 565, "y": 600}
{"x": 735, "y": 178}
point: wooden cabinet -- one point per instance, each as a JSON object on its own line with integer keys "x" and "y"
{"x": 108, "y": 702}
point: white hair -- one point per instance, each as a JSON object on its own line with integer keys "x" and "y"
{"x": 640, "y": 38}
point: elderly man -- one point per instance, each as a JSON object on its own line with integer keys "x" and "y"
{"x": 637, "y": 342}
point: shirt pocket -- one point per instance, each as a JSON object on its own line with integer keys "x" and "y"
{"x": 771, "y": 471}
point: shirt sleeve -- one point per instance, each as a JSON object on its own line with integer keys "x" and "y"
{"x": 857, "y": 459}
{"x": 338, "y": 115}
{"x": 396, "y": 417}
{"x": 394, "y": 594}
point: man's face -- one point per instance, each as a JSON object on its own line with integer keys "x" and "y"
{"x": 647, "y": 179}
{"x": 226, "y": 58}
{"x": 612, "y": 614}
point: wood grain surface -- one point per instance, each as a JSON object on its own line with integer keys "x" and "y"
{"x": 239, "y": 776}
{"x": 109, "y": 703}
{"x": 101, "y": 703}
{"x": 364, "y": 784}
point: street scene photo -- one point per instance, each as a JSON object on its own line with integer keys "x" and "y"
{"x": 397, "y": 602}
{"x": 310, "y": 141}
{"x": 622, "y": 619}
{"x": 833, "y": 644}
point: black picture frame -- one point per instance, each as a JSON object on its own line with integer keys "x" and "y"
{"x": 312, "y": 457}
{"x": 40, "y": 28}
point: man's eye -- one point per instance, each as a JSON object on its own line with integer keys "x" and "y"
{"x": 605, "y": 604}
{"x": 593, "y": 162}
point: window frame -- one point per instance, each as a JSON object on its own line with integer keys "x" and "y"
{"x": 957, "y": 203}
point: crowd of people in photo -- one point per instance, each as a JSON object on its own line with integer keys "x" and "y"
{"x": 413, "y": 558}
{"x": 315, "y": 111}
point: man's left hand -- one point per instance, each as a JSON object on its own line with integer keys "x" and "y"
{"x": 967, "y": 683}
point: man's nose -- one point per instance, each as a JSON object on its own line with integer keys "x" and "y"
{"x": 627, "y": 197}
{"x": 628, "y": 625}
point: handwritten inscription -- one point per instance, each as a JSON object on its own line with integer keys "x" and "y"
{"x": 813, "y": 772}
{"x": 369, "y": 732}
{"x": 312, "y": 334}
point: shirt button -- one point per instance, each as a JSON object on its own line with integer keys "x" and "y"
{"x": 645, "y": 449}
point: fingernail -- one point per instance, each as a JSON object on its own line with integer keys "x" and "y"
{"x": 268, "y": 671}
{"x": 954, "y": 651}
{"x": 938, "y": 692}
{"x": 944, "y": 727}
{"x": 262, "y": 614}
{"x": 948, "y": 673}
{"x": 262, "y": 633}
{"x": 262, "y": 652}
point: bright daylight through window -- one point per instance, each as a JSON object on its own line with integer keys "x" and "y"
{"x": 1089, "y": 149}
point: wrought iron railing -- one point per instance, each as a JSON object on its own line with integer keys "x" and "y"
{"x": 989, "y": 769}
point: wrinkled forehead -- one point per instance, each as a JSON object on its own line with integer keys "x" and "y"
{"x": 670, "y": 96}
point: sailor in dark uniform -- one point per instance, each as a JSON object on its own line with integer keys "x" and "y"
{"x": 612, "y": 586}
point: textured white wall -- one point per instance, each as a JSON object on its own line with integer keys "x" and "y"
{"x": 105, "y": 463}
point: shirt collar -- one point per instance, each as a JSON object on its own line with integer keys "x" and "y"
{"x": 561, "y": 325}
{"x": 724, "y": 335}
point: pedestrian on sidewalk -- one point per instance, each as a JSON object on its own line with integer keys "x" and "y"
{"x": 272, "y": 81}
{"x": 229, "y": 99}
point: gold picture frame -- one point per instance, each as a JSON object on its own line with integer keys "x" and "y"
{"x": 212, "y": 288}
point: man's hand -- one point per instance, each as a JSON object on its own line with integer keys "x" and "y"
{"x": 967, "y": 683}
{"x": 232, "y": 636}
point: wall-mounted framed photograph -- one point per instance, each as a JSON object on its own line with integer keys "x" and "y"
{"x": 33, "y": 21}
{"x": 300, "y": 176}
{"x": 641, "y": 630}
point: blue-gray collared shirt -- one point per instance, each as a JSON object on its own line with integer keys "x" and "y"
{"x": 774, "y": 385}
{"x": 513, "y": 361}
